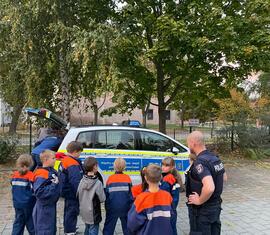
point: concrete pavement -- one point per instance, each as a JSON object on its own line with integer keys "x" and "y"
{"x": 246, "y": 203}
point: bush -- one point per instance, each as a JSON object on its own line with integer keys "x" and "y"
{"x": 254, "y": 143}
{"x": 222, "y": 140}
{"x": 251, "y": 137}
{"x": 7, "y": 148}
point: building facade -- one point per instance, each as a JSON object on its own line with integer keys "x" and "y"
{"x": 79, "y": 115}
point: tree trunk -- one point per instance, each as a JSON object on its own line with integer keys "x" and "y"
{"x": 161, "y": 98}
{"x": 95, "y": 109}
{"x": 64, "y": 85}
{"x": 182, "y": 123}
{"x": 17, "y": 110}
{"x": 162, "y": 119}
{"x": 182, "y": 113}
{"x": 144, "y": 113}
{"x": 160, "y": 87}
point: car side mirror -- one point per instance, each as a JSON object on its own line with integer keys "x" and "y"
{"x": 175, "y": 150}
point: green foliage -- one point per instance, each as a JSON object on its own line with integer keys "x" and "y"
{"x": 252, "y": 142}
{"x": 262, "y": 102}
{"x": 53, "y": 50}
{"x": 236, "y": 108}
{"x": 37, "y": 46}
{"x": 191, "y": 45}
{"x": 256, "y": 154}
{"x": 92, "y": 54}
{"x": 7, "y": 148}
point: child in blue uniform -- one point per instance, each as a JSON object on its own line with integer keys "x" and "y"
{"x": 151, "y": 211}
{"x": 171, "y": 182}
{"x": 118, "y": 198}
{"x": 71, "y": 174}
{"x": 47, "y": 192}
{"x": 22, "y": 195}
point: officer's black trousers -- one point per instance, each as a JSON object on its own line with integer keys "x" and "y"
{"x": 205, "y": 220}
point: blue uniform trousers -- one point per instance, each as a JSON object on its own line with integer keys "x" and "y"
{"x": 91, "y": 229}
{"x": 205, "y": 220}
{"x": 44, "y": 217}
{"x": 23, "y": 217}
{"x": 110, "y": 223}
{"x": 173, "y": 221}
{"x": 71, "y": 212}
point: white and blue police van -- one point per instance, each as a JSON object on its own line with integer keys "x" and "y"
{"x": 138, "y": 146}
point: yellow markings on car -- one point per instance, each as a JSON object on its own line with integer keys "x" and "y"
{"x": 130, "y": 172}
{"x": 138, "y": 153}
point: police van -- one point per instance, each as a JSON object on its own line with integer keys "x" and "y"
{"x": 138, "y": 146}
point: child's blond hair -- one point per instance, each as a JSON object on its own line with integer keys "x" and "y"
{"x": 45, "y": 155}
{"x": 153, "y": 173}
{"x": 23, "y": 163}
{"x": 119, "y": 164}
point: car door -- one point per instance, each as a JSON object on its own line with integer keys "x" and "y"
{"x": 154, "y": 147}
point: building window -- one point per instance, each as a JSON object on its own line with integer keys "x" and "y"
{"x": 168, "y": 114}
{"x": 150, "y": 114}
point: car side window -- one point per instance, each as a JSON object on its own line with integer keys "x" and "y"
{"x": 115, "y": 139}
{"x": 180, "y": 148}
{"x": 100, "y": 142}
{"x": 86, "y": 138}
{"x": 155, "y": 142}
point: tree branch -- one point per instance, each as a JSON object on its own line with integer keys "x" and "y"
{"x": 103, "y": 101}
{"x": 168, "y": 83}
{"x": 177, "y": 87}
{"x": 149, "y": 100}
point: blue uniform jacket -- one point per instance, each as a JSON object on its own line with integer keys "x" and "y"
{"x": 118, "y": 194}
{"x": 50, "y": 142}
{"x": 22, "y": 190}
{"x": 169, "y": 184}
{"x": 207, "y": 164}
{"x": 151, "y": 214}
{"x": 47, "y": 192}
{"x": 71, "y": 173}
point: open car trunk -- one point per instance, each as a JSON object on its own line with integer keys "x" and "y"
{"x": 49, "y": 115}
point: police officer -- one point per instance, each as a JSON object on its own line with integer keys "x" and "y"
{"x": 204, "y": 182}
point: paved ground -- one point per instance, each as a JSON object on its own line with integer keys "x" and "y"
{"x": 246, "y": 202}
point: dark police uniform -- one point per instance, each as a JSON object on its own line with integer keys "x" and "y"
{"x": 205, "y": 219}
